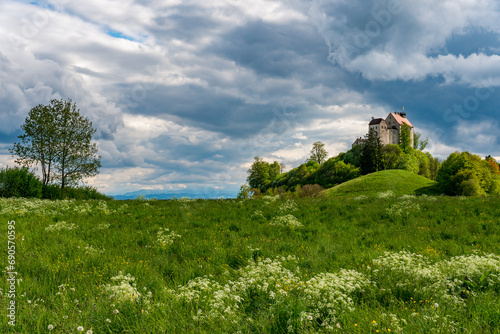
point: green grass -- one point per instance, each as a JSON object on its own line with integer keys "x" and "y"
{"x": 64, "y": 282}
{"x": 400, "y": 182}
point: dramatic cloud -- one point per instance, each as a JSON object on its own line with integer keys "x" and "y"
{"x": 185, "y": 93}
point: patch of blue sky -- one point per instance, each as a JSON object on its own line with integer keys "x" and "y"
{"x": 473, "y": 40}
{"x": 117, "y": 34}
{"x": 41, "y": 4}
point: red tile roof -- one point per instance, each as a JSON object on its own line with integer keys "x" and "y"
{"x": 401, "y": 119}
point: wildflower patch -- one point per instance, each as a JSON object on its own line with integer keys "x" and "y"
{"x": 286, "y": 221}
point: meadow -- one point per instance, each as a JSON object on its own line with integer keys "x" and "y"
{"x": 377, "y": 263}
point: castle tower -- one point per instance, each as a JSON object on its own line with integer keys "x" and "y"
{"x": 394, "y": 122}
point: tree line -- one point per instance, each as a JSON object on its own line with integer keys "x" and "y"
{"x": 460, "y": 174}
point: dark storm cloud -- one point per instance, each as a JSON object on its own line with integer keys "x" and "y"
{"x": 207, "y": 109}
{"x": 283, "y": 51}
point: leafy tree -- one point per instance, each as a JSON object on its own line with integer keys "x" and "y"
{"x": 258, "y": 174}
{"x": 493, "y": 164}
{"x": 274, "y": 171}
{"x": 262, "y": 173}
{"x": 391, "y": 154}
{"x": 405, "y": 138}
{"x": 466, "y": 174}
{"x": 59, "y": 139}
{"x": 38, "y": 143}
{"x": 419, "y": 144}
{"x": 353, "y": 156}
{"x": 244, "y": 192}
{"x": 318, "y": 153}
{"x": 409, "y": 162}
{"x": 371, "y": 157}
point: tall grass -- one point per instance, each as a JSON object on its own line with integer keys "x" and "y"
{"x": 366, "y": 264}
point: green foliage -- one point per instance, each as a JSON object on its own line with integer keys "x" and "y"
{"x": 391, "y": 154}
{"x": 52, "y": 192}
{"x": 466, "y": 174}
{"x": 19, "y": 182}
{"x": 318, "y": 153}
{"x": 59, "y": 139}
{"x": 326, "y": 175}
{"x": 408, "y": 161}
{"x": 84, "y": 193}
{"x": 419, "y": 144}
{"x": 405, "y": 138}
{"x": 371, "y": 157}
{"x": 244, "y": 192}
{"x": 353, "y": 156}
{"x": 262, "y": 173}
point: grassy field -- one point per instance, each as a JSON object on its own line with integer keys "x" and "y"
{"x": 375, "y": 263}
{"x": 400, "y": 182}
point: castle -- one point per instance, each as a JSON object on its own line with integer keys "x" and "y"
{"x": 388, "y": 129}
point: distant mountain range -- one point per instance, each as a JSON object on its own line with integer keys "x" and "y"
{"x": 149, "y": 194}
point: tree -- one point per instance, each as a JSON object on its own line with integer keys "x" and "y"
{"x": 38, "y": 143}
{"x": 405, "y": 138}
{"x": 391, "y": 154}
{"x": 466, "y": 174}
{"x": 259, "y": 174}
{"x": 59, "y": 139}
{"x": 318, "y": 153}
{"x": 371, "y": 156}
{"x": 419, "y": 144}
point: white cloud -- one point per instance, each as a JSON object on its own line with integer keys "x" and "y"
{"x": 382, "y": 44}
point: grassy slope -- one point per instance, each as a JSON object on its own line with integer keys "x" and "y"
{"x": 401, "y": 182}
{"x": 216, "y": 236}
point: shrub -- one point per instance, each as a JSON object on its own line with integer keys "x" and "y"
{"x": 19, "y": 182}
{"x": 51, "y": 191}
{"x": 310, "y": 190}
{"x": 84, "y": 193}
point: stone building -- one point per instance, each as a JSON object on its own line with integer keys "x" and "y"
{"x": 388, "y": 129}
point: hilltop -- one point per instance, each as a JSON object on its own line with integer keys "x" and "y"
{"x": 401, "y": 182}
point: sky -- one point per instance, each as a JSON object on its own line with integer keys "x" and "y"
{"x": 185, "y": 93}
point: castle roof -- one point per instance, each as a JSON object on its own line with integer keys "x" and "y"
{"x": 401, "y": 119}
{"x": 376, "y": 121}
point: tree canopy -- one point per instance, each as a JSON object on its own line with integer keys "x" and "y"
{"x": 466, "y": 174}
{"x": 405, "y": 138}
{"x": 59, "y": 139}
{"x": 318, "y": 153}
{"x": 371, "y": 156}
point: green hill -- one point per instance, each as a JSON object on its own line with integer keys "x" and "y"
{"x": 401, "y": 182}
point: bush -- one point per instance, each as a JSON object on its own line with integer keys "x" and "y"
{"x": 84, "y": 193}
{"x": 51, "y": 191}
{"x": 19, "y": 182}
{"x": 310, "y": 190}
